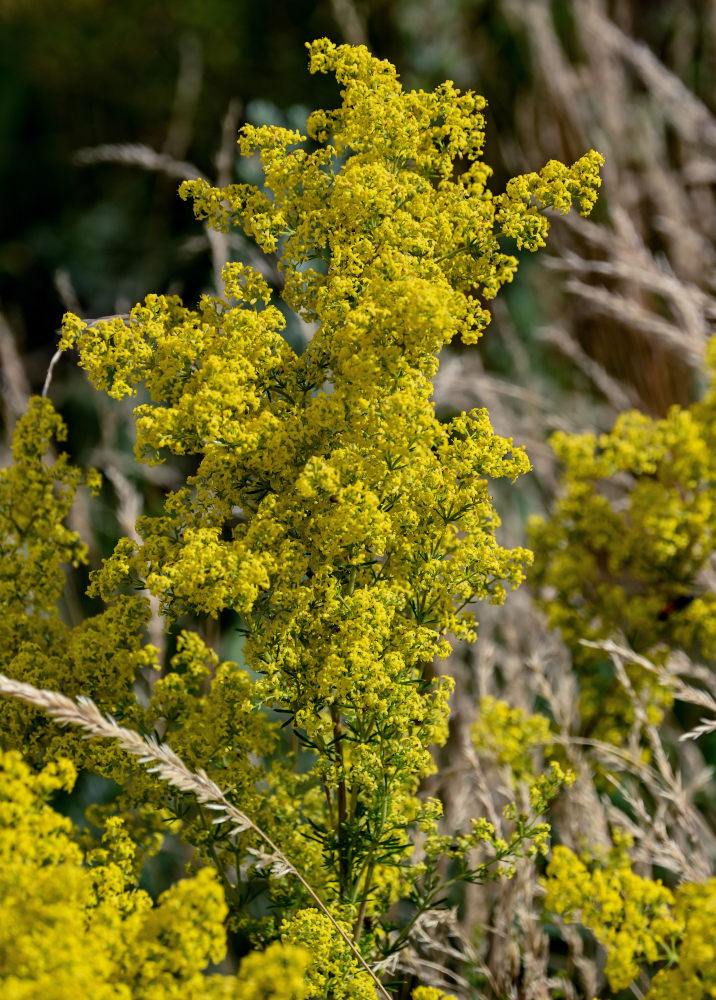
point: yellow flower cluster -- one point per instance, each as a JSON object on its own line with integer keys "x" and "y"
{"x": 691, "y": 973}
{"x": 629, "y": 915}
{"x": 635, "y": 525}
{"x": 430, "y": 993}
{"x": 530, "y": 835}
{"x": 510, "y": 735}
{"x": 346, "y": 528}
{"x": 102, "y": 655}
{"x": 640, "y": 922}
{"x": 333, "y": 970}
{"x": 73, "y": 926}
{"x": 331, "y": 510}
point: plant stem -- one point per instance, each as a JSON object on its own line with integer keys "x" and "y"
{"x": 358, "y": 926}
{"x": 341, "y": 800}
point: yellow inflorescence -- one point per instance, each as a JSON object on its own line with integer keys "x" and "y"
{"x": 365, "y": 525}
{"x": 639, "y": 921}
{"x": 635, "y": 526}
{"x": 79, "y": 926}
{"x": 510, "y": 735}
{"x": 346, "y": 528}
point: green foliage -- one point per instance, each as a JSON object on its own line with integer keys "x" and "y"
{"x": 345, "y": 528}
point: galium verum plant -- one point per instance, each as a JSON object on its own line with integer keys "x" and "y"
{"x": 345, "y": 527}
{"x": 628, "y": 550}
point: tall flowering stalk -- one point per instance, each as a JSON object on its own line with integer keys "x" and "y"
{"x": 347, "y": 529}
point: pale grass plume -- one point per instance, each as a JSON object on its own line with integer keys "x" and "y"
{"x": 706, "y": 726}
{"x": 671, "y": 676}
{"x": 160, "y": 759}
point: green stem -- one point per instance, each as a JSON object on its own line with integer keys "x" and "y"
{"x": 453, "y": 253}
{"x": 228, "y": 887}
{"x": 341, "y": 802}
{"x": 358, "y": 926}
{"x": 368, "y": 867}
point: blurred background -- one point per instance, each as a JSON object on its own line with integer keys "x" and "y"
{"x": 105, "y": 107}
